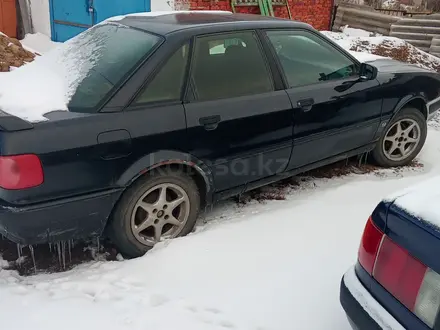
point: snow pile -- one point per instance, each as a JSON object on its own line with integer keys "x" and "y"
{"x": 38, "y": 43}
{"x": 51, "y": 80}
{"x": 394, "y": 48}
{"x": 421, "y": 201}
{"x": 161, "y": 13}
{"x": 13, "y": 54}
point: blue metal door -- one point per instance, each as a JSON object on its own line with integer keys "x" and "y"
{"x": 71, "y": 17}
{"x": 108, "y": 8}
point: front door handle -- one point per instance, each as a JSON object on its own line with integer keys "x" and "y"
{"x": 306, "y": 104}
{"x": 210, "y": 123}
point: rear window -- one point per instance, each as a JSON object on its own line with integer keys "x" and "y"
{"x": 117, "y": 50}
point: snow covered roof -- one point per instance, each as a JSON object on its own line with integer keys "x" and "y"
{"x": 162, "y": 13}
{"x": 421, "y": 200}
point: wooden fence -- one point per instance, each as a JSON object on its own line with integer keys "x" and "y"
{"x": 401, "y": 12}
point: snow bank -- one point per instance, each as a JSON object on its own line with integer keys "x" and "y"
{"x": 391, "y": 47}
{"x": 161, "y": 13}
{"x": 38, "y": 43}
{"x": 420, "y": 201}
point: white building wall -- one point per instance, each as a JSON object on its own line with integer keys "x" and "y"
{"x": 162, "y": 5}
{"x": 39, "y": 10}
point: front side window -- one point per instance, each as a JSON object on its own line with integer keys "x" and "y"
{"x": 115, "y": 52}
{"x": 307, "y": 59}
{"x": 229, "y": 65}
{"x": 168, "y": 82}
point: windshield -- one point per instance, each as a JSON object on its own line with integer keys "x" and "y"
{"x": 115, "y": 50}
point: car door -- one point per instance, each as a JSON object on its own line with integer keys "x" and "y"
{"x": 237, "y": 122}
{"x": 334, "y": 110}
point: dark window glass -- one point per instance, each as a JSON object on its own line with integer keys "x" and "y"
{"x": 115, "y": 52}
{"x": 168, "y": 82}
{"x": 229, "y": 65}
{"x": 307, "y": 59}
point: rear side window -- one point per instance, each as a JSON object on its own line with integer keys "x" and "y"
{"x": 168, "y": 82}
{"x": 229, "y": 65}
{"x": 307, "y": 59}
{"x": 117, "y": 51}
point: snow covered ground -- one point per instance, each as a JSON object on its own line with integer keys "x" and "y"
{"x": 38, "y": 43}
{"x": 261, "y": 266}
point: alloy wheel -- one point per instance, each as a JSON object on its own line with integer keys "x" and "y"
{"x": 401, "y": 139}
{"x": 160, "y": 213}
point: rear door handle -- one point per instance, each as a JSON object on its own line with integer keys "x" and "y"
{"x": 210, "y": 123}
{"x": 306, "y": 104}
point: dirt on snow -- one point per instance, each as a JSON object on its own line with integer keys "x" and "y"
{"x": 404, "y": 53}
{"x": 13, "y": 54}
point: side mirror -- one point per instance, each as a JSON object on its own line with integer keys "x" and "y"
{"x": 367, "y": 72}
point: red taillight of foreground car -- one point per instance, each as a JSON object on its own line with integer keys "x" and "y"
{"x": 411, "y": 282}
{"x": 399, "y": 272}
{"x": 20, "y": 172}
{"x": 369, "y": 246}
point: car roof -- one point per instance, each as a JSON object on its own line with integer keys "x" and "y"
{"x": 170, "y": 22}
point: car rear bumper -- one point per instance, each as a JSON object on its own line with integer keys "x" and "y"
{"x": 363, "y": 311}
{"x": 65, "y": 219}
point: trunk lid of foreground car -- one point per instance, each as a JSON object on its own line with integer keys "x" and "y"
{"x": 400, "y": 247}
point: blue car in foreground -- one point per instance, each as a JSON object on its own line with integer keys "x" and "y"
{"x": 396, "y": 282}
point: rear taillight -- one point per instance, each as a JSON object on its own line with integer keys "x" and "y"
{"x": 399, "y": 272}
{"x": 411, "y": 282}
{"x": 20, "y": 172}
{"x": 369, "y": 246}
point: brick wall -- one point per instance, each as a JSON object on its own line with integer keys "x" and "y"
{"x": 314, "y": 12}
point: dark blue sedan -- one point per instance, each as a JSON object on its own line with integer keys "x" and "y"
{"x": 396, "y": 281}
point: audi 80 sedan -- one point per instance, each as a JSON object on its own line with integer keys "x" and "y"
{"x": 150, "y": 118}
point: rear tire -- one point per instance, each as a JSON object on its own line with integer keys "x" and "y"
{"x": 402, "y": 140}
{"x": 162, "y": 205}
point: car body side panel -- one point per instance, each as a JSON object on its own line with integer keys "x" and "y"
{"x": 74, "y": 163}
{"x": 252, "y": 140}
{"x": 337, "y": 122}
{"x": 401, "y": 87}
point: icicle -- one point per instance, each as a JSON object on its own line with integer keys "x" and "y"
{"x": 50, "y": 247}
{"x": 69, "y": 247}
{"x": 18, "y": 251}
{"x": 63, "y": 253}
{"x": 31, "y": 248}
{"x": 98, "y": 244}
{"x": 59, "y": 253}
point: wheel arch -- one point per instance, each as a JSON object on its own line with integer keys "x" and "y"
{"x": 416, "y": 101}
{"x": 200, "y": 172}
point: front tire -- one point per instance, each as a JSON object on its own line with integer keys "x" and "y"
{"x": 402, "y": 140}
{"x": 161, "y": 205}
